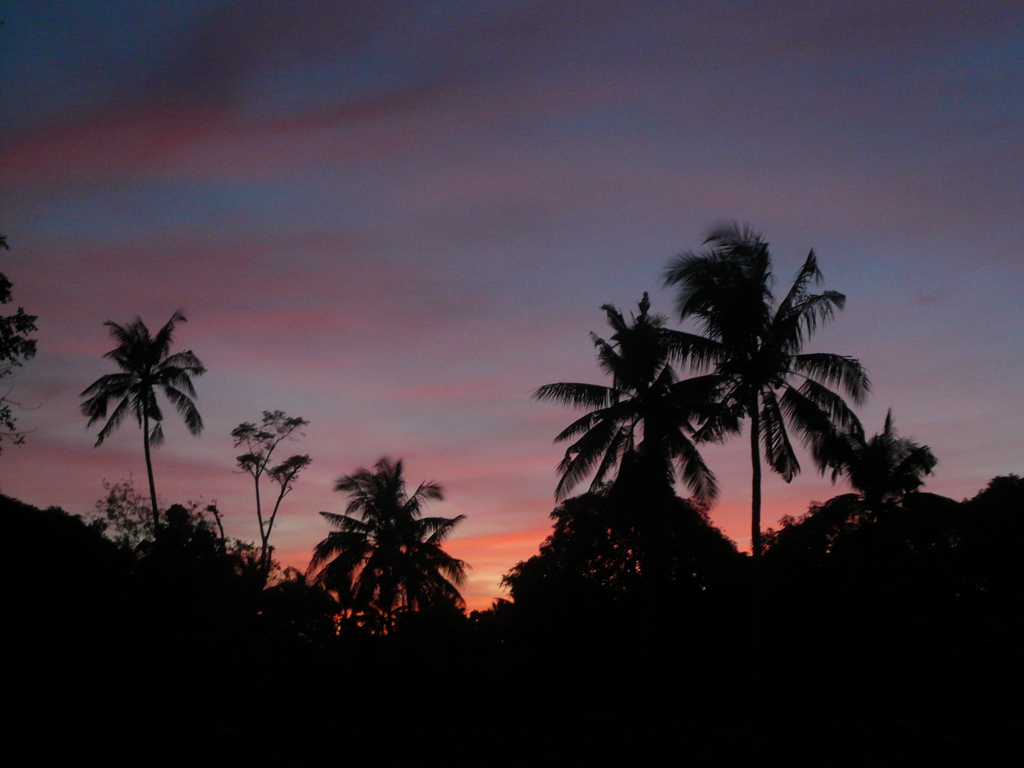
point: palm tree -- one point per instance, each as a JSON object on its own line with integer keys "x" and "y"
{"x": 146, "y": 366}
{"x": 644, "y": 421}
{"x": 384, "y": 557}
{"x": 883, "y": 469}
{"x": 751, "y": 345}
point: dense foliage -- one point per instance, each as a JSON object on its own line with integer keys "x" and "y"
{"x": 901, "y": 616}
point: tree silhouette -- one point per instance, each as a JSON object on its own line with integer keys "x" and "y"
{"x": 384, "y": 556}
{"x": 883, "y": 469}
{"x": 752, "y": 346}
{"x": 644, "y": 421}
{"x": 261, "y": 441}
{"x": 146, "y": 367}
{"x": 15, "y": 348}
{"x": 599, "y": 548}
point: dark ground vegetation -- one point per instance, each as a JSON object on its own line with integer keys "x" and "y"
{"x": 890, "y": 638}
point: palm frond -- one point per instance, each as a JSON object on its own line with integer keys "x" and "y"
{"x": 612, "y": 458}
{"x": 162, "y": 341}
{"x": 580, "y": 426}
{"x": 109, "y": 386}
{"x": 130, "y": 339}
{"x": 838, "y": 412}
{"x": 695, "y": 473}
{"x": 156, "y": 434}
{"x": 123, "y": 409}
{"x": 791, "y": 329}
{"x": 146, "y": 401}
{"x": 805, "y": 276}
{"x": 338, "y": 560}
{"x": 436, "y": 529}
{"x": 615, "y": 318}
{"x": 732, "y": 234}
{"x": 814, "y": 421}
{"x": 429, "y": 490}
{"x": 698, "y": 352}
{"x": 774, "y": 438}
{"x": 187, "y": 361}
{"x": 175, "y": 377}
{"x": 581, "y": 456}
{"x": 186, "y": 408}
{"x": 834, "y": 371}
{"x": 918, "y": 462}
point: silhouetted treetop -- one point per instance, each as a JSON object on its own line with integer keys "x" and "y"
{"x": 384, "y": 557}
{"x": 752, "y": 348}
{"x": 647, "y": 417}
{"x": 883, "y": 468}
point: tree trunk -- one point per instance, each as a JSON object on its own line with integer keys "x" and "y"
{"x": 264, "y": 535}
{"x": 265, "y": 556}
{"x": 757, "y": 593}
{"x": 149, "y": 471}
{"x": 755, "y": 460}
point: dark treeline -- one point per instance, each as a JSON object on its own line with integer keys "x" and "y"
{"x": 893, "y": 633}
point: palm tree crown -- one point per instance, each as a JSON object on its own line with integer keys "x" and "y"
{"x": 885, "y": 468}
{"x": 384, "y": 557}
{"x": 146, "y": 367}
{"x": 752, "y": 345}
{"x": 646, "y": 416}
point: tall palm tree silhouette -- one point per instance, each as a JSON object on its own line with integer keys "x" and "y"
{"x": 753, "y": 346}
{"x": 384, "y": 557}
{"x": 644, "y": 421}
{"x": 884, "y": 468}
{"x": 146, "y": 367}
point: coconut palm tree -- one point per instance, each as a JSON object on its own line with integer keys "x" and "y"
{"x": 645, "y": 421}
{"x": 752, "y": 345}
{"x": 885, "y": 471}
{"x": 146, "y": 367}
{"x": 384, "y": 557}
{"x": 882, "y": 469}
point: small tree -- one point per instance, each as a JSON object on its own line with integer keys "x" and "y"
{"x": 124, "y": 514}
{"x": 15, "y": 348}
{"x": 260, "y": 442}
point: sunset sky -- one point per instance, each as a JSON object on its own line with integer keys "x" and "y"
{"x": 398, "y": 219}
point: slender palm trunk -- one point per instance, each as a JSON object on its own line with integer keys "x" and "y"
{"x": 757, "y": 594}
{"x": 149, "y": 471}
{"x": 755, "y": 461}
